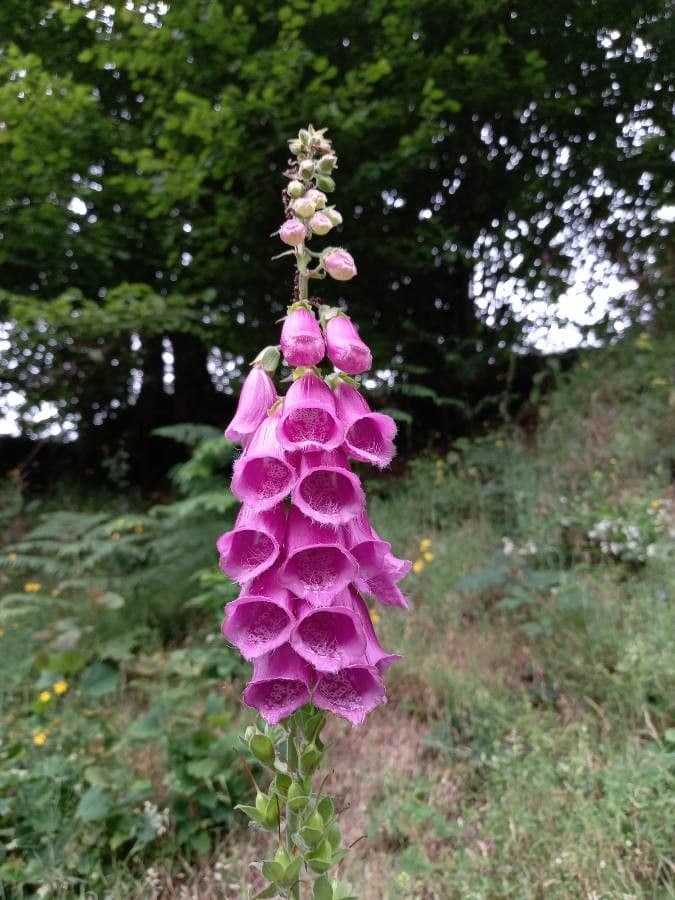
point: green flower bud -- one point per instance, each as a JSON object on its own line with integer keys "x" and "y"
{"x": 295, "y": 188}
{"x": 282, "y": 857}
{"x": 327, "y": 163}
{"x": 260, "y": 745}
{"x": 325, "y": 183}
{"x": 269, "y": 359}
{"x": 304, "y": 135}
{"x": 295, "y": 147}
{"x": 333, "y": 215}
{"x": 310, "y": 759}
{"x": 306, "y": 169}
{"x": 297, "y": 797}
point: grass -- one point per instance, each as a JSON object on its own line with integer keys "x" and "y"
{"x": 528, "y": 747}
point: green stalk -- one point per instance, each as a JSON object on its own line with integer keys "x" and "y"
{"x": 292, "y": 762}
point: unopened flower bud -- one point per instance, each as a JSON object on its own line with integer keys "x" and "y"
{"x": 306, "y": 169}
{"x": 320, "y": 224}
{"x": 292, "y": 232}
{"x": 268, "y": 359}
{"x": 295, "y": 188}
{"x": 334, "y": 215}
{"x": 327, "y": 163}
{"x": 318, "y": 198}
{"x": 295, "y": 147}
{"x": 304, "y": 135}
{"x": 339, "y": 264}
{"x": 304, "y": 207}
{"x": 325, "y": 182}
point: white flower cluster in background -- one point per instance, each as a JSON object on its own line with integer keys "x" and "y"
{"x": 157, "y": 819}
{"x": 644, "y": 537}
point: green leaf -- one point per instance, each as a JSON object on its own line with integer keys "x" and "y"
{"x": 146, "y": 727}
{"x": 202, "y": 768}
{"x": 273, "y": 871}
{"x": 94, "y": 805}
{"x": 201, "y": 843}
{"x": 323, "y": 889}
{"x": 99, "y": 679}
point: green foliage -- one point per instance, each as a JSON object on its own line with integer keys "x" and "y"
{"x": 470, "y": 133}
{"x": 548, "y": 738}
{"x": 116, "y": 739}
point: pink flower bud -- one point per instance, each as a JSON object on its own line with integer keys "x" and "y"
{"x": 318, "y": 198}
{"x": 301, "y": 339}
{"x": 320, "y": 224}
{"x": 292, "y": 232}
{"x": 340, "y": 265}
{"x": 257, "y": 395}
{"x": 345, "y": 348}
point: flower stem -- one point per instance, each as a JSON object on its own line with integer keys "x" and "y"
{"x": 292, "y": 763}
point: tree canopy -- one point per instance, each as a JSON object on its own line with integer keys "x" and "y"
{"x": 141, "y": 151}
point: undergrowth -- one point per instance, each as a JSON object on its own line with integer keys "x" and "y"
{"x": 538, "y": 676}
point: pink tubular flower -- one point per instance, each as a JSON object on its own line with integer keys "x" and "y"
{"x": 329, "y": 638}
{"x": 345, "y": 348}
{"x": 257, "y": 395}
{"x": 327, "y": 490}
{"x": 376, "y": 655}
{"x": 255, "y": 624}
{"x": 254, "y": 543}
{"x": 301, "y": 339}
{"x": 379, "y": 570}
{"x": 263, "y": 476}
{"x": 369, "y": 436}
{"x": 317, "y": 566}
{"x": 350, "y": 693}
{"x": 281, "y": 684}
{"x": 308, "y": 420}
{"x": 292, "y": 232}
{"x": 340, "y": 265}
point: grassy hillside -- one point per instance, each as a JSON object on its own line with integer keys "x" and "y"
{"x": 528, "y": 746}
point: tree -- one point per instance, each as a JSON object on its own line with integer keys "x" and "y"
{"x": 139, "y": 165}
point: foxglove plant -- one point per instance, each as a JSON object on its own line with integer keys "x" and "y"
{"x": 302, "y": 548}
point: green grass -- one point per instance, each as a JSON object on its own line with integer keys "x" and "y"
{"x": 538, "y": 683}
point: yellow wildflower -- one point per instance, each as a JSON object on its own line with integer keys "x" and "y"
{"x": 425, "y": 544}
{"x": 55, "y": 592}
{"x": 499, "y": 442}
{"x": 428, "y": 556}
{"x": 60, "y": 687}
{"x": 39, "y": 738}
{"x": 2, "y": 632}
{"x": 585, "y": 364}
{"x": 374, "y": 616}
{"x": 12, "y": 557}
{"x": 659, "y": 382}
{"x": 417, "y": 566}
{"x": 44, "y": 696}
{"x": 655, "y": 504}
{"x": 32, "y": 587}
{"x": 138, "y": 528}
